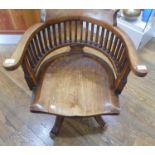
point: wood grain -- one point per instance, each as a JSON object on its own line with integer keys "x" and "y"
{"x": 134, "y": 126}
{"x": 124, "y": 61}
{"x": 17, "y": 20}
{"x": 79, "y": 88}
{"x": 75, "y": 86}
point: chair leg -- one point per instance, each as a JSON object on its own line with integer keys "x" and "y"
{"x": 100, "y": 121}
{"x": 57, "y": 125}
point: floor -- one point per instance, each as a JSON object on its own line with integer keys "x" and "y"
{"x": 134, "y": 126}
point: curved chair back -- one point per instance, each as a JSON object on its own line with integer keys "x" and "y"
{"x": 76, "y": 31}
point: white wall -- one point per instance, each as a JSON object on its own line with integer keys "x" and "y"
{"x": 10, "y": 38}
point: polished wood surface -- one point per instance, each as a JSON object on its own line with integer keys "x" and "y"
{"x": 75, "y": 85}
{"x": 17, "y": 20}
{"x": 57, "y": 125}
{"x": 111, "y": 41}
{"x": 68, "y": 92}
{"x": 134, "y": 125}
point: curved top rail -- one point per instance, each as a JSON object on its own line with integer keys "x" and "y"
{"x": 38, "y": 42}
{"x": 35, "y": 29}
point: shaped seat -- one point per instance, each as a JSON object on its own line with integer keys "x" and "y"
{"x": 75, "y": 85}
{"x": 75, "y": 66}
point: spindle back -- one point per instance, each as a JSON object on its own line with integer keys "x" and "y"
{"x": 70, "y": 31}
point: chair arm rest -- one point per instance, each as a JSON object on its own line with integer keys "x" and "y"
{"x": 16, "y": 59}
{"x": 135, "y": 65}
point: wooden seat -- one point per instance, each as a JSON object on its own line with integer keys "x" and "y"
{"x": 75, "y": 85}
{"x": 76, "y": 66}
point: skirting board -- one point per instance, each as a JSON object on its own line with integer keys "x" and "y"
{"x": 10, "y": 38}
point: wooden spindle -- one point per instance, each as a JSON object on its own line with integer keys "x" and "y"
{"x": 101, "y": 38}
{"x": 45, "y": 39}
{"x": 97, "y": 34}
{"x": 114, "y": 46}
{"x": 34, "y": 49}
{"x": 106, "y": 39}
{"x": 31, "y": 62}
{"x": 110, "y": 42}
{"x": 70, "y": 31}
{"x": 86, "y": 32}
{"x": 117, "y": 48}
{"x": 76, "y": 30}
{"x": 124, "y": 56}
{"x": 119, "y": 52}
{"x": 37, "y": 46}
{"x": 40, "y": 43}
{"x": 49, "y": 37}
{"x": 59, "y": 33}
{"x": 81, "y": 32}
{"x": 121, "y": 55}
{"x": 124, "y": 61}
{"x": 92, "y": 32}
{"x": 54, "y": 34}
{"x": 65, "y": 32}
{"x": 31, "y": 70}
{"x": 30, "y": 49}
{"x": 31, "y": 52}
{"x": 28, "y": 66}
{"x": 29, "y": 77}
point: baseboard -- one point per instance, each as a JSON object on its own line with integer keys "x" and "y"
{"x": 10, "y": 38}
{"x": 12, "y": 31}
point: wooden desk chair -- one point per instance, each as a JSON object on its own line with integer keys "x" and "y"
{"x": 76, "y": 66}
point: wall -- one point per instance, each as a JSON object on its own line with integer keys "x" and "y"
{"x": 13, "y": 21}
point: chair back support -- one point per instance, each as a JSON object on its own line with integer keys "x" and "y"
{"x": 76, "y": 31}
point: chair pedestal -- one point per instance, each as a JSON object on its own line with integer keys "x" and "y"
{"x": 59, "y": 120}
{"x": 100, "y": 121}
{"x": 57, "y": 125}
